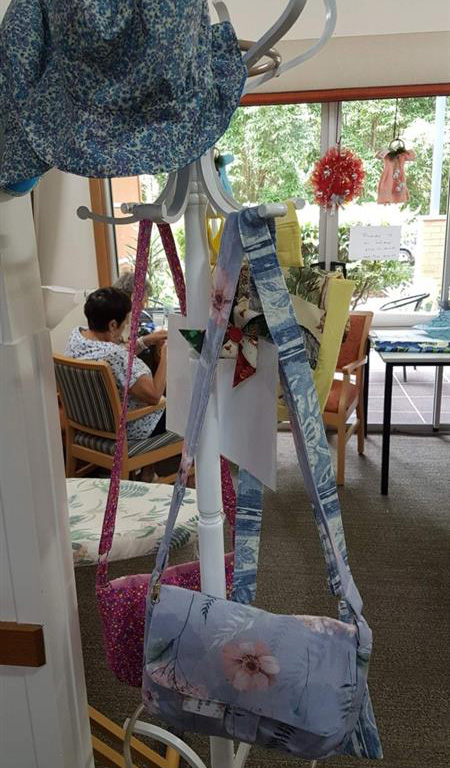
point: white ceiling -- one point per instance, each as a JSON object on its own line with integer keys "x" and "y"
{"x": 355, "y": 17}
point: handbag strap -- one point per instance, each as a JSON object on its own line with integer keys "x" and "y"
{"x": 142, "y": 254}
{"x": 247, "y": 537}
{"x": 109, "y": 520}
{"x": 140, "y": 274}
{"x": 224, "y": 288}
{"x": 301, "y": 398}
{"x": 173, "y": 260}
{"x": 248, "y": 231}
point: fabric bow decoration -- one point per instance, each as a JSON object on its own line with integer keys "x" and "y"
{"x": 241, "y": 340}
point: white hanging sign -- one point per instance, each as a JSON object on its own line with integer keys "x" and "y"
{"x": 374, "y": 243}
{"x": 247, "y": 413}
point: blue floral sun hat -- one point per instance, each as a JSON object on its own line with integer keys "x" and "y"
{"x": 105, "y": 88}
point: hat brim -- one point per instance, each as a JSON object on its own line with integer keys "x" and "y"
{"x": 20, "y": 167}
{"x": 105, "y": 143}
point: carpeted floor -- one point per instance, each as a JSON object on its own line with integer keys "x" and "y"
{"x": 399, "y": 554}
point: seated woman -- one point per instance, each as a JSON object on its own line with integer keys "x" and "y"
{"x": 107, "y": 311}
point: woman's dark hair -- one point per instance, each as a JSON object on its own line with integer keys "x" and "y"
{"x": 105, "y": 305}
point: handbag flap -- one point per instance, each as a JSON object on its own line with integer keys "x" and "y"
{"x": 299, "y": 670}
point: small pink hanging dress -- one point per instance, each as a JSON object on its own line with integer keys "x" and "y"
{"x": 392, "y": 185}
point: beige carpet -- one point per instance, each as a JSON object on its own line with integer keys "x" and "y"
{"x": 399, "y": 552}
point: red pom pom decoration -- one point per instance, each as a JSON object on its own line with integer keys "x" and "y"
{"x": 337, "y": 178}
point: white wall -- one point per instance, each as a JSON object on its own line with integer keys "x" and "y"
{"x": 355, "y": 17}
{"x": 66, "y": 249}
{"x": 372, "y": 60}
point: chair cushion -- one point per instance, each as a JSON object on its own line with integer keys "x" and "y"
{"x": 141, "y": 518}
{"x": 135, "y": 447}
{"x": 332, "y": 405}
{"x": 339, "y": 297}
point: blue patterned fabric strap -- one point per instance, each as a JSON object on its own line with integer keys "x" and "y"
{"x": 298, "y": 386}
{"x": 311, "y": 444}
{"x": 249, "y": 497}
{"x": 224, "y": 289}
{"x": 247, "y": 536}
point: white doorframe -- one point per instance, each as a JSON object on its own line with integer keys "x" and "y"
{"x": 43, "y": 711}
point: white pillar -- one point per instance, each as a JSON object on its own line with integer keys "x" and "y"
{"x": 43, "y": 712}
{"x": 209, "y": 494}
{"x": 438, "y": 154}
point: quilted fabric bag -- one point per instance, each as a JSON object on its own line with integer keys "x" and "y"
{"x": 217, "y": 667}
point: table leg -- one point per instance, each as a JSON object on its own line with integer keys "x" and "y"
{"x": 437, "y": 401}
{"x": 366, "y": 388}
{"x": 386, "y": 428}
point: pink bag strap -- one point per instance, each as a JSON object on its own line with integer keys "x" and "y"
{"x": 168, "y": 241}
{"x": 140, "y": 274}
{"x": 173, "y": 260}
{"x": 109, "y": 520}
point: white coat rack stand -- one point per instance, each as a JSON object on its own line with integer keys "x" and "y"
{"x": 189, "y": 193}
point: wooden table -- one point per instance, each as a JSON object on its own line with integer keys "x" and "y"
{"x": 391, "y": 359}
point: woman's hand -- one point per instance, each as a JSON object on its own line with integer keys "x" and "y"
{"x": 157, "y": 338}
{"x": 149, "y": 388}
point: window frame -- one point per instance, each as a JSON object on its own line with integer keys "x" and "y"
{"x": 331, "y": 100}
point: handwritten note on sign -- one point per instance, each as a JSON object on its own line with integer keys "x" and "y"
{"x": 374, "y": 243}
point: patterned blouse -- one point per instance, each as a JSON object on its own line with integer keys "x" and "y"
{"x": 117, "y": 357}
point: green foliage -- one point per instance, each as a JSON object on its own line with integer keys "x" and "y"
{"x": 274, "y": 148}
{"x": 180, "y": 240}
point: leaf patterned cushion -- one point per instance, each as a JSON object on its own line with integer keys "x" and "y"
{"x": 141, "y": 518}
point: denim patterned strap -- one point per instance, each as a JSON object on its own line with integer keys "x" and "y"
{"x": 247, "y": 536}
{"x": 311, "y": 445}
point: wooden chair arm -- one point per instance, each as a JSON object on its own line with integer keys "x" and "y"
{"x": 138, "y": 413}
{"x": 347, "y": 370}
{"x": 350, "y": 367}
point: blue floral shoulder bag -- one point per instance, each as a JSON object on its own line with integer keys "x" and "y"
{"x": 222, "y": 668}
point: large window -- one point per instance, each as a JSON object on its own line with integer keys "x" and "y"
{"x": 275, "y": 148}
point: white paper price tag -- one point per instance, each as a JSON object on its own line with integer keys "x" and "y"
{"x": 204, "y": 708}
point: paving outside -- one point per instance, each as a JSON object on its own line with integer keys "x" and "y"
{"x": 412, "y": 401}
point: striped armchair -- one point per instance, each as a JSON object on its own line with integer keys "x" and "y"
{"x": 91, "y": 411}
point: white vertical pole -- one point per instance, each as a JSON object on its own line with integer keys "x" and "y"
{"x": 438, "y": 153}
{"x": 209, "y": 494}
{"x": 329, "y": 223}
{"x": 445, "y": 295}
{"x": 43, "y": 711}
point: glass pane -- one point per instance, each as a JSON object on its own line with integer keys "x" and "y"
{"x": 388, "y": 287}
{"x": 146, "y": 189}
{"x": 274, "y": 150}
{"x": 368, "y": 128}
